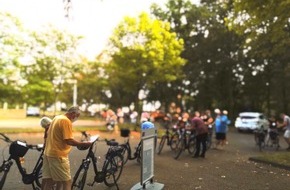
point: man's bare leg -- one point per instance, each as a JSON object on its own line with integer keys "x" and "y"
{"x": 47, "y": 184}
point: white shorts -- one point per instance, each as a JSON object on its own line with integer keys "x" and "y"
{"x": 287, "y": 134}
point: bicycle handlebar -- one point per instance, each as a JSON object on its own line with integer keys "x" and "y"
{"x": 5, "y": 138}
{"x": 38, "y": 147}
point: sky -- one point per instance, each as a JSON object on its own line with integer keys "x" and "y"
{"x": 93, "y": 19}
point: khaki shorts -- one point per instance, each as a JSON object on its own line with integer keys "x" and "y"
{"x": 58, "y": 169}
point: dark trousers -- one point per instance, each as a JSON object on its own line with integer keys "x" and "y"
{"x": 201, "y": 140}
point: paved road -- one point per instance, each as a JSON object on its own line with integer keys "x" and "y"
{"x": 227, "y": 169}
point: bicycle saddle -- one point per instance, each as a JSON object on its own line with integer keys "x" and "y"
{"x": 112, "y": 143}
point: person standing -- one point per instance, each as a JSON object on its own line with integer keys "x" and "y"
{"x": 226, "y": 122}
{"x": 120, "y": 116}
{"x": 220, "y": 129}
{"x": 286, "y": 126}
{"x": 201, "y": 130}
{"x": 56, "y": 165}
{"x": 45, "y": 123}
{"x": 272, "y": 134}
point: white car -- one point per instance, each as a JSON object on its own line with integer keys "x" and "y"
{"x": 250, "y": 121}
{"x": 33, "y": 111}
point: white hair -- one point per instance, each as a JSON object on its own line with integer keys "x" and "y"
{"x": 45, "y": 122}
{"x": 217, "y": 111}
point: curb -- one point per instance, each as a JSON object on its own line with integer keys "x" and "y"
{"x": 274, "y": 164}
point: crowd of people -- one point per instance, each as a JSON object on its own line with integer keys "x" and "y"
{"x": 204, "y": 126}
{"x": 282, "y": 123}
{"x": 216, "y": 123}
{"x": 58, "y": 138}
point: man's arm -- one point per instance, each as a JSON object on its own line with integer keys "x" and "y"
{"x": 73, "y": 142}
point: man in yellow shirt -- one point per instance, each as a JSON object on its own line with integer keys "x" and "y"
{"x": 56, "y": 165}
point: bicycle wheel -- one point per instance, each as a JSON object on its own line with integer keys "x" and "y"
{"x": 161, "y": 144}
{"x": 174, "y": 141}
{"x": 125, "y": 154}
{"x": 179, "y": 148}
{"x": 3, "y": 175}
{"x": 38, "y": 175}
{"x": 113, "y": 168}
{"x": 79, "y": 179}
{"x": 260, "y": 145}
{"x": 192, "y": 145}
{"x": 138, "y": 153}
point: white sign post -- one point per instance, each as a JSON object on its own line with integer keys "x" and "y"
{"x": 147, "y": 166}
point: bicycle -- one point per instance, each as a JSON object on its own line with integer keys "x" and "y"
{"x": 273, "y": 138}
{"x": 168, "y": 137}
{"x": 186, "y": 141}
{"x": 85, "y": 136}
{"x": 17, "y": 150}
{"x": 127, "y": 150}
{"x": 111, "y": 169}
{"x": 259, "y": 136}
{"x": 209, "y": 137}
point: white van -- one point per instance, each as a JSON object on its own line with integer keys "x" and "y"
{"x": 249, "y": 121}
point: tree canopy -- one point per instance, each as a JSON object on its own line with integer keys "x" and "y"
{"x": 144, "y": 53}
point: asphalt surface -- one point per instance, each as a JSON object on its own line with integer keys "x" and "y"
{"x": 227, "y": 169}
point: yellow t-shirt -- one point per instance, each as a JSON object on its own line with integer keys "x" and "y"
{"x": 59, "y": 130}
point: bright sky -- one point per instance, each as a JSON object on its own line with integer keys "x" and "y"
{"x": 94, "y": 19}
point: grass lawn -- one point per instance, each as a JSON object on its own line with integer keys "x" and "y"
{"x": 279, "y": 159}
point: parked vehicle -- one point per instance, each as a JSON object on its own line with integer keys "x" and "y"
{"x": 250, "y": 121}
{"x": 33, "y": 111}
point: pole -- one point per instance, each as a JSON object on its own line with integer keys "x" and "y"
{"x": 75, "y": 92}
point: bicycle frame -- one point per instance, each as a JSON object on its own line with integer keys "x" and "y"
{"x": 100, "y": 174}
{"x": 186, "y": 140}
{"x": 167, "y": 138}
{"x": 259, "y": 136}
{"x": 27, "y": 178}
{"x": 128, "y": 147}
{"x": 85, "y": 136}
{"x": 30, "y": 178}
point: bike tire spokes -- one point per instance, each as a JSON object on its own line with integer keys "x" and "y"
{"x": 113, "y": 169}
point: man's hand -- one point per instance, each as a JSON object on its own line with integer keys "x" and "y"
{"x": 84, "y": 145}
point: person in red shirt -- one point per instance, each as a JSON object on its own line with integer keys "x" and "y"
{"x": 201, "y": 130}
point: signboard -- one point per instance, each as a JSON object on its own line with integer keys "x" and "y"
{"x": 147, "y": 159}
{"x": 147, "y": 154}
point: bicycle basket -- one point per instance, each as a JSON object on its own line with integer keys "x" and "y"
{"x": 125, "y": 132}
{"x": 18, "y": 149}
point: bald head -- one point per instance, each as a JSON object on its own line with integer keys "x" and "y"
{"x": 73, "y": 109}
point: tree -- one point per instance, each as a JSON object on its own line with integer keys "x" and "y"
{"x": 211, "y": 49}
{"x": 11, "y": 49}
{"x": 144, "y": 53}
{"x": 266, "y": 26}
{"x": 52, "y": 64}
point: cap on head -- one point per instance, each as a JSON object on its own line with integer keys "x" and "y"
{"x": 45, "y": 122}
{"x": 225, "y": 112}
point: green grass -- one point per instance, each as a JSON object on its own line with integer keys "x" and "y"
{"x": 280, "y": 158}
{"x": 40, "y": 130}
{"x": 75, "y": 128}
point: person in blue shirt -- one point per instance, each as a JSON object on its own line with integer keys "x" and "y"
{"x": 221, "y": 122}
